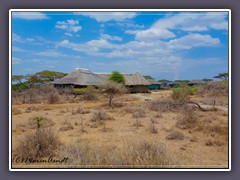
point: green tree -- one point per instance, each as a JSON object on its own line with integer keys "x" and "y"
{"x": 222, "y": 76}
{"x": 148, "y": 77}
{"x": 47, "y": 76}
{"x": 164, "y": 80}
{"x": 117, "y": 77}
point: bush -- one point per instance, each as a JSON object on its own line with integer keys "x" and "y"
{"x": 215, "y": 89}
{"x": 39, "y": 144}
{"x": 175, "y": 135}
{"x": 182, "y": 93}
{"x": 100, "y": 116}
{"x": 37, "y": 122}
{"x": 188, "y": 118}
{"x": 163, "y": 105}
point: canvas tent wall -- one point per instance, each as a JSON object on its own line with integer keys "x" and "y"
{"x": 153, "y": 84}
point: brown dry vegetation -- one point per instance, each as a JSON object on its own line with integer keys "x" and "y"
{"x": 132, "y": 133}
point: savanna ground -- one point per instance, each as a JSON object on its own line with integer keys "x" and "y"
{"x": 139, "y": 130}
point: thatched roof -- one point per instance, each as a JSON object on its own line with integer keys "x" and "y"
{"x": 80, "y": 77}
{"x": 135, "y": 79}
{"x": 130, "y": 79}
{"x": 85, "y": 78}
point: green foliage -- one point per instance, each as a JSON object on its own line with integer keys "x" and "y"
{"x": 222, "y": 76}
{"x": 117, "y": 77}
{"x": 39, "y": 121}
{"x": 148, "y": 77}
{"x": 182, "y": 93}
{"x": 164, "y": 80}
{"x": 49, "y": 75}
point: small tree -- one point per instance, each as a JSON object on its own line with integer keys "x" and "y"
{"x": 117, "y": 77}
{"x": 222, "y": 76}
{"x": 112, "y": 89}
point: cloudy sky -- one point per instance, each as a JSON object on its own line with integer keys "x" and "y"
{"x": 165, "y": 45}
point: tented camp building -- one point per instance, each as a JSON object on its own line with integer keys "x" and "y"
{"x": 80, "y": 78}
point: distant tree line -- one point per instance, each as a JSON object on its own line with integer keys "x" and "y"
{"x": 38, "y": 79}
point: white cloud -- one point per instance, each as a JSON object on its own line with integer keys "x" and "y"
{"x": 69, "y": 25}
{"x": 68, "y": 34}
{"x": 29, "y": 15}
{"x": 18, "y": 49}
{"x": 190, "y": 22}
{"x": 55, "y": 54}
{"x": 108, "y": 16}
{"x": 193, "y": 40}
{"x": 16, "y": 60}
{"x": 109, "y": 37}
{"x": 16, "y": 38}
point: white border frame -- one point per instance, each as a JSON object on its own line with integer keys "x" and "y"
{"x": 117, "y": 10}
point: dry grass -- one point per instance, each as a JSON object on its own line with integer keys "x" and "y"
{"x": 100, "y": 116}
{"x": 66, "y": 126}
{"x": 38, "y": 144}
{"x": 132, "y": 154}
{"x": 80, "y": 110}
{"x": 16, "y": 111}
{"x": 33, "y": 123}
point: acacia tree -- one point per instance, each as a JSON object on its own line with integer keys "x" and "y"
{"x": 47, "y": 76}
{"x": 112, "y": 89}
{"x": 222, "y": 76}
{"x": 117, "y": 77}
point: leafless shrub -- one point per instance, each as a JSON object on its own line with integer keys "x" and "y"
{"x": 175, "y": 135}
{"x": 80, "y": 110}
{"x": 164, "y": 105}
{"x": 152, "y": 125}
{"x": 139, "y": 113}
{"x": 217, "y": 129}
{"x": 187, "y": 119}
{"x": 211, "y": 142}
{"x": 53, "y": 98}
{"x": 66, "y": 126}
{"x": 215, "y": 89}
{"x": 38, "y": 144}
{"x": 100, "y": 116}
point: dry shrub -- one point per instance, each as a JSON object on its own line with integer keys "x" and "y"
{"x": 180, "y": 94}
{"x": 100, "y": 116}
{"x": 211, "y": 142}
{"x": 39, "y": 121}
{"x": 138, "y": 154}
{"x": 139, "y": 113}
{"x": 66, "y": 126}
{"x": 217, "y": 129}
{"x": 153, "y": 129}
{"x": 215, "y": 89}
{"x": 16, "y": 111}
{"x": 175, "y": 135}
{"x": 53, "y": 98}
{"x": 80, "y": 110}
{"x": 164, "y": 105}
{"x": 38, "y": 144}
{"x": 187, "y": 119}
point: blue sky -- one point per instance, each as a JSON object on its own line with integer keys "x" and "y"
{"x": 165, "y": 45}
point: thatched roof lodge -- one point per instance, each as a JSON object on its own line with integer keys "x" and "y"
{"x": 79, "y": 78}
{"x": 82, "y": 78}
